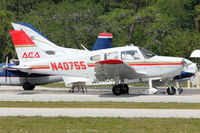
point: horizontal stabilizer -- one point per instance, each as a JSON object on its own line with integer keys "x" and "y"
{"x": 20, "y": 67}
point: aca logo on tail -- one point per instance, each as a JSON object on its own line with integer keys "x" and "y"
{"x": 30, "y": 55}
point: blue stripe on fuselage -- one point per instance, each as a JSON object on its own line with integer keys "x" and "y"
{"x": 17, "y": 73}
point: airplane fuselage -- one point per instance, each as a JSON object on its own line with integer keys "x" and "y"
{"x": 83, "y": 64}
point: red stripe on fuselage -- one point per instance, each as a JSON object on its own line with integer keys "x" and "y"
{"x": 91, "y": 65}
{"x": 155, "y": 64}
{"x": 40, "y": 67}
{"x": 149, "y": 64}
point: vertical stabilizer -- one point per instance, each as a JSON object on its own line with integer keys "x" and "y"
{"x": 26, "y": 49}
{"x": 104, "y": 41}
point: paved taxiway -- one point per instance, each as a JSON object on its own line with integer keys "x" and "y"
{"x": 97, "y": 94}
{"x": 99, "y": 112}
{"x": 94, "y": 94}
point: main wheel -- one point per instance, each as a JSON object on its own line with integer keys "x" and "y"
{"x": 125, "y": 88}
{"x": 171, "y": 90}
{"x": 117, "y": 90}
{"x": 28, "y": 86}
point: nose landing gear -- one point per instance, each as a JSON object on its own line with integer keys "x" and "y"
{"x": 171, "y": 90}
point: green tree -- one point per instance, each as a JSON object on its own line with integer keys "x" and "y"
{"x": 6, "y": 48}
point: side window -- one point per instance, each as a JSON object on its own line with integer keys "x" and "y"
{"x": 111, "y": 55}
{"x": 95, "y": 58}
{"x": 130, "y": 55}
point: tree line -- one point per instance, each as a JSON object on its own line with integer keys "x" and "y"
{"x": 165, "y": 27}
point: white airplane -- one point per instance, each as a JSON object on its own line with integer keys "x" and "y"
{"x": 13, "y": 77}
{"x": 116, "y": 65}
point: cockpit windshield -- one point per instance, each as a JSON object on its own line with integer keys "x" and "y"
{"x": 147, "y": 54}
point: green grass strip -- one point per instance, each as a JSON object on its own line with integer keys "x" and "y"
{"x": 128, "y": 105}
{"x": 97, "y": 125}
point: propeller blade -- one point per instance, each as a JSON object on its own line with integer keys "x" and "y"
{"x": 6, "y": 73}
{"x": 6, "y": 69}
{"x": 6, "y": 66}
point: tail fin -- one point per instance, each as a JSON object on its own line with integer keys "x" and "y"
{"x": 104, "y": 41}
{"x": 26, "y": 49}
{"x": 42, "y": 41}
{"x": 37, "y": 37}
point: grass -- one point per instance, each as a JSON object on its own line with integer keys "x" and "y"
{"x": 128, "y": 105}
{"x": 53, "y": 85}
{"x": 97, "y": 125}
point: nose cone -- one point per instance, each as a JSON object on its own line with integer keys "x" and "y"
{"x": 190, "y": 66}
{"x": 187, "y": 62}
{"x": 188, "y": 71}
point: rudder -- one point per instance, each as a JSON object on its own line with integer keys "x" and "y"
{"x": 26, "y": 49}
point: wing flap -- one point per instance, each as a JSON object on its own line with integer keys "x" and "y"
{"x": 112, "y": 68}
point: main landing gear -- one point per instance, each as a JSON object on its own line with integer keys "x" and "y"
{"x": 28, "y": 86}
{"x": 171, "y": 90}
{"x": 120, "y": 89}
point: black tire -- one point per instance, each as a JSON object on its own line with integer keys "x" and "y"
{"x": 171, "y": 90}
{"x": 28, "y": 86}
{"x": 125, "y": 88}
{"x": 117, "y": 90}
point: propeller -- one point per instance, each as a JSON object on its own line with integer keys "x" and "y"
{"x": 5, "y": 67}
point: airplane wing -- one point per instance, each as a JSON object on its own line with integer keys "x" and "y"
{"x": 114, "y": 68}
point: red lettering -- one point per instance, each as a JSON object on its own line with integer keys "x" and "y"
{"x": 83, "y": 66}
{"x": 60, "y": 66}
{"x": 77, "y": 65}
{"x": 71, "y": 65}
{"x": 30, "y": 55}
{"x": 24, "y": 56}
{"x": 54, "y": 67}
{"x": 66, "y": 66}
{"x": 37, "y": 55}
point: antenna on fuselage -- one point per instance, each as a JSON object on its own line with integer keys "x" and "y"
{"x": 84, "y": 47}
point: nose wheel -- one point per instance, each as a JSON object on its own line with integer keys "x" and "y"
{"x": 120, "y": 89}
{"x": 171, "y": 90}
